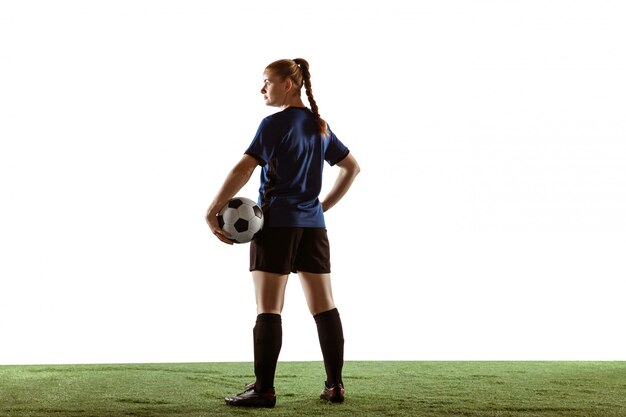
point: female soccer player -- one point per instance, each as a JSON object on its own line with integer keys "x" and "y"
{"x": 291, "y": 146}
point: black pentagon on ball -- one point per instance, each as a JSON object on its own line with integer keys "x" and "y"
{"x": 257, "y": 211}
{"x": 220, "y": 221}
{"x": 234, "y": 203}
{"x": 241, "y": 225}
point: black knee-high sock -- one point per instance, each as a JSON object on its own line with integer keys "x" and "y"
{"x": 268, "y": 339}
{"x": 330, "y": 333}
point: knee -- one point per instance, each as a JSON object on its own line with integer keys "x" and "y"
{"x": 269, "y": 307}
{"x": 321, "y": 307}
{"x": 266, "y": 310}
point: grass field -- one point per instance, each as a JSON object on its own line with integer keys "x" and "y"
{"x": 374, "y": 389}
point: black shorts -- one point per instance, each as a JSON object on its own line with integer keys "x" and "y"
{"x": 282, "y": 250}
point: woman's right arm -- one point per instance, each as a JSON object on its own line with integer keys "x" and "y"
{"x": 235, "y": 180}
{"x": 348, "y": 170}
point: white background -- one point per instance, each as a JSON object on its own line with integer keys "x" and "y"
{"x": 488, "y": 221}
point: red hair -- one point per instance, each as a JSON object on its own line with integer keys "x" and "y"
{"x": 297, "y": 70}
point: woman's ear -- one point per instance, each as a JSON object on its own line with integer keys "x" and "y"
{"x": 288, "y": 85}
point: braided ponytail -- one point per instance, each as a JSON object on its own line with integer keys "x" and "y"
{"x": 306, "y": 78}
{"x": 298, "y": 71}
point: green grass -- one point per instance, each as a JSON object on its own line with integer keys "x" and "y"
{"x": 372, "y": 389}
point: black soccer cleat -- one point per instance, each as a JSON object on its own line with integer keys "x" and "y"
{"x": 334, "y": 394}
{"x": 252, "y": 398}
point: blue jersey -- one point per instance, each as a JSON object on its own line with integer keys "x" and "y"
{"x": 292, "y": 152}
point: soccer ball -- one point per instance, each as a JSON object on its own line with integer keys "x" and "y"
{"x": 242, "y": 218}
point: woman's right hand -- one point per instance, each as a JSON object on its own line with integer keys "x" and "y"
{"x": 211, "y": 219}
{"x": 236, "y": 178}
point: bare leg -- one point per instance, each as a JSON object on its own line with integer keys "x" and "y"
{"x": 270, "y": 291}
{"x": 317, "y": 291}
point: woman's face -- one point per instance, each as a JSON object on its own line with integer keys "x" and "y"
{"x": 274, "y": 90}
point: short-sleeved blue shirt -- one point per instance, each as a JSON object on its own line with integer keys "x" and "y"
{"x": 292, "y": 152}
